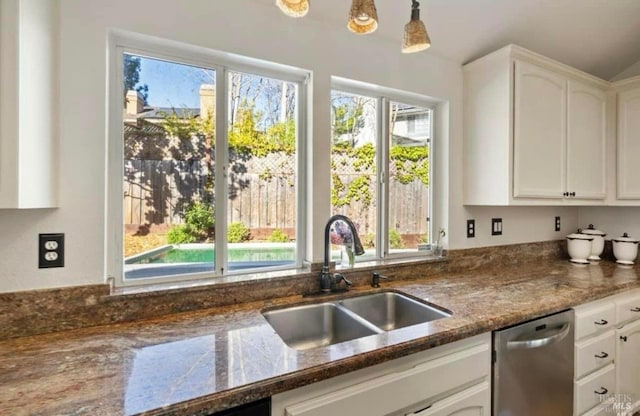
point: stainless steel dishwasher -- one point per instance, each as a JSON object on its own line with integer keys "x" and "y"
{"x": 533, "y": 367}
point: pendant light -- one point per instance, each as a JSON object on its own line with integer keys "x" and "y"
{"x": 415, "y": 33}
{"x": 363, "y": 17}
{"x": 293, "y": 8}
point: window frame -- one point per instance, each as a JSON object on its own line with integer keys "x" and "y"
{"x": 384, "y": 96}
{"x": 122, "y": 42}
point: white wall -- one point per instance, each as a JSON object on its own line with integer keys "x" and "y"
{"x": 246, "y": 28}
{"x": 612, "y": 220}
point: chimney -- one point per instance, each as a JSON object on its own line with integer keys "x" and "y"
{"x": 207, "y": 101}
{"x": 135, "y": 102}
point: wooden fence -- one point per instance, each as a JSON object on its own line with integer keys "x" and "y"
{"x": 262, "y": 195}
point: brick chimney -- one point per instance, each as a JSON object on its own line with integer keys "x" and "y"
{"x": 207, "y": 101}
{"x": 135, "y": 102}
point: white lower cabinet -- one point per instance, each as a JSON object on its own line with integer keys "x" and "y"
{"x": 628, "y": 368}
{"x": 607, "y": 356}
{"x": 470, "y": 402}
{"x": 594, "y": 389}
{"x": 451, "y": 380}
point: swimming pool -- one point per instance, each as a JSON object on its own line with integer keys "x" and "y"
{"x": 196, "y": 258}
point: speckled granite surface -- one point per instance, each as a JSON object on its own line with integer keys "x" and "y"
{"x": 198, "y": 362}
{"x": 43, "y": 311}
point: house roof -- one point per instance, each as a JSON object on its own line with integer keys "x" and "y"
{"x": 155, "y": 113}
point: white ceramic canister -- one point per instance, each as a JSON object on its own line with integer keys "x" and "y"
{"x": 579, "y": 247}
{"x": 597, "y": 246}
{"x": 625, "y": 249}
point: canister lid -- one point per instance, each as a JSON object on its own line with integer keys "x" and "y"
{"x": 625, "y": 239}
{"x": 580, "y": 236}
{"x": 592, "y": 231}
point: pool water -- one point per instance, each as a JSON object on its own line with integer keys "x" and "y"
{"x": 206, "y": 255}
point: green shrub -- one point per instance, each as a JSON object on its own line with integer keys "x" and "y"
{"x": 238, "y": 232}
{"x": 369, "y": 240}
{"x": 278, "y": 236}
{"x": 199, "y": 218}
{"x": 180, "y": 234}
{"x": 395, "y": 239}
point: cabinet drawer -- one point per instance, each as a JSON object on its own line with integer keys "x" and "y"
{"x": 604, "y": 409}
{"x": 628, "y": 307}
{"x": 594, "y": 353}
{"x": 594, "y": 319}
{"x": 473, "y": 401}
{"x": 401, "y": 390}
{"x": 586, "y": 390}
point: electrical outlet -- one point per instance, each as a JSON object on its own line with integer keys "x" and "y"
{"x": 496, "y": 226}
{"x": 471, "y": 228}
{"x": 557, "y": 223}
{"x": 50, "y": 250}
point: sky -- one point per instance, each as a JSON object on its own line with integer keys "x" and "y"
{"x": 177, "y": 85}
{"x": 173, "y": 85}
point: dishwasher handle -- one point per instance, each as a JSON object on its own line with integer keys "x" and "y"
{"x": 541, "y": 342}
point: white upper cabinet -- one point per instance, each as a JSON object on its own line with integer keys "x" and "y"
{"x": 539, "y": 132}
{"x": 28, "y": 103}
{"x": 534, "y": 132}
{"x": 586, "y": 140}
{"x": 628, "y": 143}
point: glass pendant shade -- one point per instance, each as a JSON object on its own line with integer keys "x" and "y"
{"x": 363, "y": 17}
{"x": 293, "y": 8}
{"x": 416, "y": 38}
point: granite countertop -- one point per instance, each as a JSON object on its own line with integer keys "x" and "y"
{"x": 201, "y": 362}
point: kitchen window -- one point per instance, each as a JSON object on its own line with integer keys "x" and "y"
{"x": 381, "y": 168}
{"x": 208, "y": 150}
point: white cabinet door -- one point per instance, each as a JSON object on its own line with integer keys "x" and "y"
{"x": 399, "y": 390}
{"x": 629, "y": 144}
{"x": 628, "y": 366}
{"x": 586, "y": 141}
{"x": 471, "y": 402}
{"x": 539, "y": 132}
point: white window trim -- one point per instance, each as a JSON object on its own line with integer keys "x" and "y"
{"x": 384, "y": 96}
{"x": 121, "y": 42}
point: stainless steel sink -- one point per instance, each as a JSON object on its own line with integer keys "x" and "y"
{"x": 311, "y": 326}
{"x": 317, "y": 325}
{"x": 390, "y": 310}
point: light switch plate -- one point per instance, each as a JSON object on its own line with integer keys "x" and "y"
{"x": 496, "y": 226}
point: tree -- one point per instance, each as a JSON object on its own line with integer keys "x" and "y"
{"x": 132, "y": 70}
{"x": 347, "y": 116}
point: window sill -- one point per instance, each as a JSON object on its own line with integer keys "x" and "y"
{"x": 247, "y": 280}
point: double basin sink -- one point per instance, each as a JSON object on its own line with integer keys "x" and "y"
{"x": 310, "y": 326}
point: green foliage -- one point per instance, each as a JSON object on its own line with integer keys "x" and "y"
{"x": 199, "y": 222}
{"x": 283, "y": 136}
{"x": 411, "y": 163}
{"x": 395, "y": 239}
{"x": 199, "y": 218}
{"x": 183, "y": 127}
{"x": 278, "y": 236}
{"x": 180, "y": 234}
{"x": 347, "y": 119}
{"x": 423, "y": 239}
{"x": 237, "y": 232}
{"x": 245, "y": 138}
{"x": 360, "y": 187}
{"x": 368, "y": 240}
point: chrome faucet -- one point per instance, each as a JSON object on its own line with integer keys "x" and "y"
{"x": 328, "y": 280}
